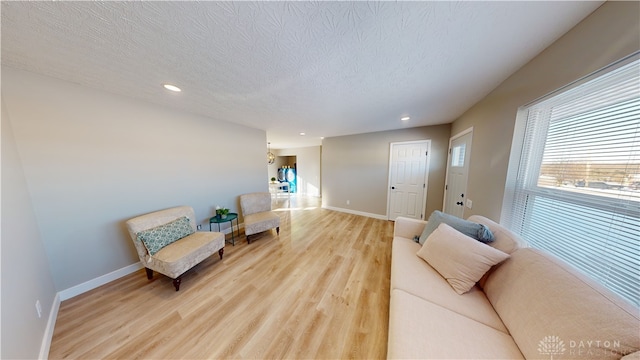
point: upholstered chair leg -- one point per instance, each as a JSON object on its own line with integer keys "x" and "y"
{"x": 248, "y": 240}
{"x": 220, "y": 252}
{"x": 149, "y": 273}
{"x": 278, "y": 230}
{"x": 176, "y": 282}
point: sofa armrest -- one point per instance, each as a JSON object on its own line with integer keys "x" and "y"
{"x": 407, "y": 227}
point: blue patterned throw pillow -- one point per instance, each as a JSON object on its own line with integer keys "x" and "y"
{"x": 158, "y": 237}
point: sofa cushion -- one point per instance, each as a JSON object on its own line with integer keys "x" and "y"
{"x": 407, "y": 227}
{"x": 413, "y": 275}
{"x": 180, "y": 256}
{"x": 158, "y": 237}
{"x": 477, "y": 231}
{"x": 419, "y": 329}
{"x": 538, "y": 295}
{"x": 262, "y": 221}
{"x": 632, "y": 356}
{"x": 461, "y": 260}
{"x": 504, "y": 239}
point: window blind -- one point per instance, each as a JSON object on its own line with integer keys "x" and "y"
{"x": 573, "y": 186}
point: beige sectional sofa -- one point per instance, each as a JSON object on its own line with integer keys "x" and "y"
{"x": 531, "y": 306}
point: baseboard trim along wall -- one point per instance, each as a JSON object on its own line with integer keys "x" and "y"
{"x": 114, "y": 275}
{"x": 354, "y": 212}
{"x": 75, "y": 291}
{"x": 99, "y": 281}
{"x": 226, "y": 230}
{"x": 48, "y": 332}
{"x": 88, "y": 286}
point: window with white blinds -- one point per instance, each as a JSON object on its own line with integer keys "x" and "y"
{"x": 573, "y": 186}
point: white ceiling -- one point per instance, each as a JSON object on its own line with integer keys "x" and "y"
{"x": 323, "y": 68}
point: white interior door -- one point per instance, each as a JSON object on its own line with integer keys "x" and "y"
{"x": 408, "y": 167}
{"x": 457, "y": 173}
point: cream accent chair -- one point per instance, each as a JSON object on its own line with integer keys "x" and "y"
{"x": 176, "y": 258}
{"x": 258, "y": 217}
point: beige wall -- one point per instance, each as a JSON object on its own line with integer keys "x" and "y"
{"x": 356, "y": 168}
{"x": 25, "y": 271}
{"x": 92, "y": 160}
{"x": 608, "y": 34}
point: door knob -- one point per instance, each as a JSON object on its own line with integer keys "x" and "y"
{"x": 459, "y": 203}
{"x": 393, "y": 188}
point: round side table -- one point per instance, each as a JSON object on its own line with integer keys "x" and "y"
{"x": 230, "y": 217}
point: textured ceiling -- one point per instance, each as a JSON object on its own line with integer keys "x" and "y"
{"x": 324, "y": 68}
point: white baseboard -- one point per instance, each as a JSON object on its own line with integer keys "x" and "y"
{"x": 75, "y": 291}
{"x": 236, "y": 228}
{"x": 99, "y": 281}
{"x": 354, "y": 212}
{"x": 114, "y": 275}
{"x": 48, "y": 332}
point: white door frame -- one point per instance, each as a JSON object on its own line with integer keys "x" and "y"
{"x": 426, "y": 173}
{"x": 446, "y": 178}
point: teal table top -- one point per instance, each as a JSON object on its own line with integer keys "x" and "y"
{"x": 216, "y": 220}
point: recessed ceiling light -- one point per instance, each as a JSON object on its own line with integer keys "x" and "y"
{"x": 172, "y": 87}
{"x": 405, "y": 118}
{"x": 302, "y": 134}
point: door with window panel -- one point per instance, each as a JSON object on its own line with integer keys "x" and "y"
{"x": 457, "y": 174}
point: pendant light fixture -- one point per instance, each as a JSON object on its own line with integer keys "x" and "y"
{"x": 270, "y": 157}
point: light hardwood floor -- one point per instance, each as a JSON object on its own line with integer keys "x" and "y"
{"x": 319, "y": 290}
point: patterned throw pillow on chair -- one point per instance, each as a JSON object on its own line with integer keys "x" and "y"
{"x": 156, "y": 238}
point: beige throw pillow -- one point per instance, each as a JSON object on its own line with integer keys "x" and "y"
{"x": 460, "y": 259}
